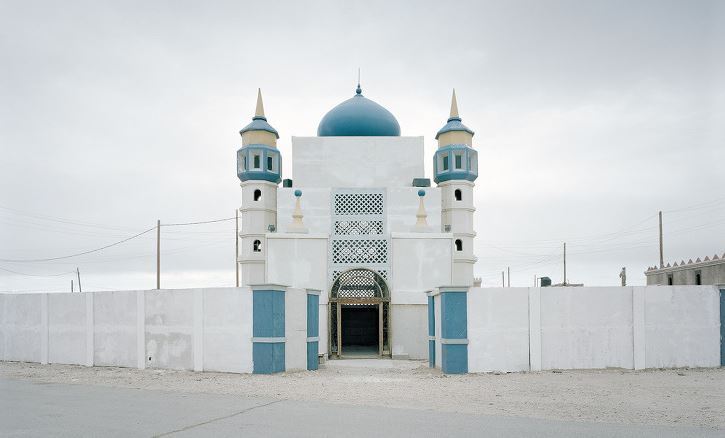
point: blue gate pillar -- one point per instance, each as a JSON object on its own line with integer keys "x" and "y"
{"x": 431, "y": 331}
{"x": 268, "y": 335}
{"x": 454, "y": 329}
{"x": 313, "y": 328}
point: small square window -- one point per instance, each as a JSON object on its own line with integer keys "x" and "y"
{"x": 257, "y": 164}
{"x": 445, "y": 162}
{"x": 245, "y": 162}
{"x": 459, "y": 161}
{"x": 269, "y": 163}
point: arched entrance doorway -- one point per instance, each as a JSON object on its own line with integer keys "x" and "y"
{"x": 359, "y": 315}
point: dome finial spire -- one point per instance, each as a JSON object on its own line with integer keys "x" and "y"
{"x": 358, "y": 90}
{"x": 259, "y": 111}
{"x": 454, "y": 106}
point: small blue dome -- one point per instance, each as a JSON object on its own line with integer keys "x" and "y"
{"x": 454, "y": 124}
{"x": 358, "y": 116}
{"x": 259, "y": 123}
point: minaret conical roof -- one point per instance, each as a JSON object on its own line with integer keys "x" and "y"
{"x": 454, "y": 120}
{"x": 259, "y": 121}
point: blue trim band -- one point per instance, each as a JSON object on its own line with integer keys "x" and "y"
{"x": 265, "y": 154}
{"x": 454, "y": 341}
{"x": 454, "y": 124}
{"x": 445, "y": 157}
{"x": 259, "y": 124}
{"x": 269, "y": 340}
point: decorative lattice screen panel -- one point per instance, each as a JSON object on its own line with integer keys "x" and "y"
{"x": 359, "y": 204}
{"x": 359, "y": 283}
{"x": 360, "y": 251}
{"x": 356, "y": 228}
{"x": 359, "y": 232}
{"x": 383, "y": 273}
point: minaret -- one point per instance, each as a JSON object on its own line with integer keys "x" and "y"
{"x": 259, "y": 167}
{"x": 455, "y": 167}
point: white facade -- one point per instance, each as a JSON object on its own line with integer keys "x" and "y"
{"x": 258, "y": 213}
{"x": 364, "y": 241}
{"x": 327, "y": 168}
{"x": 357, "y": 162}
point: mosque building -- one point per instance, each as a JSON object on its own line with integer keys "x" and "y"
{"x": 360, "y": 222}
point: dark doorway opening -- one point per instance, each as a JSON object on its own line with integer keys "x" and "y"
{"x": 360, "y": 330}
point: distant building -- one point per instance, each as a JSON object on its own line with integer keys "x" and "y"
{"x": 707, "y": 271}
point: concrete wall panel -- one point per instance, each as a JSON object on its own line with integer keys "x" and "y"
{"x": 409, "y": 330}
{"x": 115, "y": 329}
{"x": 682, "y": 326}
{"x": 2, "y": 327}
{"x": 169, "y": 329}
{"x": 227, "y": 337}
{"x": 498, "y": 329}
{"x": 22, "y": 326}
{"x": 586, "y": 327}
{"x": 295, "y": 325}
{"x": 67, "y": 328}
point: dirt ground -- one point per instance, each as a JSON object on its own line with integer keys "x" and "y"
{"x": 662, "y": 397}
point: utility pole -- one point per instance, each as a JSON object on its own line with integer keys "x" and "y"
{"x": 158, "y": 254}
{"x": 564, "y": 282}
{"x": 662, "y": 259}
{"x": 508, "y": 275}
{"x": 78, "y": 272}
{"x": 236, "y": 247}
{"x": 503, "y": 280}
{"x": 71, "y": 285}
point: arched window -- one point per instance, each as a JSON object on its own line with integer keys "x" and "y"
{"x": 458, "y": 194}
{"x": 257, "y": 195}
{"x": 459, "y": 245}
{"x": 257, "y": 247}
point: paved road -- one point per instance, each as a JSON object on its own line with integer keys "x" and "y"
{"x": 47, "y": 409}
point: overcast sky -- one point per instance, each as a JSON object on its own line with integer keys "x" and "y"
{"x": 589, "y": 118}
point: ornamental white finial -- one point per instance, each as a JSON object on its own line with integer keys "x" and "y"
{"x": 297, "y": 226}
{"x": 259, "y": 111}
{"x": 454, "y": 106}
{"x": 421, "y": 224}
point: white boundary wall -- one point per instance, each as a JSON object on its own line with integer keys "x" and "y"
{"x": 521, "y": 329}
{"x": 189, "y": 329}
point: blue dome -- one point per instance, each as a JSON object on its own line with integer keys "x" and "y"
{"x": 358, "y": 116}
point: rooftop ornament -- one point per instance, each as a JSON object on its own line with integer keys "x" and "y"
{"x": 297, "y": 226}
{"x": 421, "y": 224}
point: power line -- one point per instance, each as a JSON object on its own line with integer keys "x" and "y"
{"x": 78, "y": 254}
{"x": 199, "y": 223}
{"x": 58, "y": 219}
{"x": 37, "y": 275}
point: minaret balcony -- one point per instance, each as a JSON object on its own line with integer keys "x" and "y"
{"x": 455, "y": 162}
{"x": 259, "y": 162}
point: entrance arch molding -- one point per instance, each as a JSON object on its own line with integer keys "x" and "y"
{"x": 358, "y": 286}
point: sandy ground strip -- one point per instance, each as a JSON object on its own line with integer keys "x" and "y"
{"x": 658, "y": 397}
